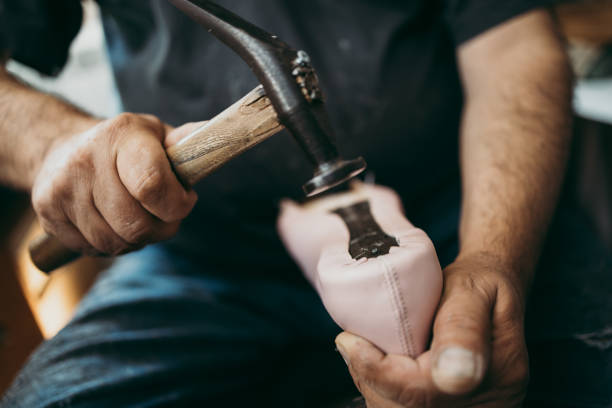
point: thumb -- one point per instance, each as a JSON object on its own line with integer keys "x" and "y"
{"x": 461, "y": 337}
{"x": 173, "y": 136}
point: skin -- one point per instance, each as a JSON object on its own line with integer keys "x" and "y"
{"x": 87, "y": 188}
{"x": 514, "y": 142}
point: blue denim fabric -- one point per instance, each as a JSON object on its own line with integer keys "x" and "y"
{"x": 155, "y": 330}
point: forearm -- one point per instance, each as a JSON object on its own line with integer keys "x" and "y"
{"x": 514, "y": 146}
{"x": 29, "y": 122}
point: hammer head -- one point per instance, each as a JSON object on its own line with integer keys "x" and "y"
{"x": 290, "y": 82}
{"x": 310, "y": 126}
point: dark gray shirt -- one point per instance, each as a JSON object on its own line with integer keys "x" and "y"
{"x": 387, "y": 68}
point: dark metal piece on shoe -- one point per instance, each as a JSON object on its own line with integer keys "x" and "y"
{"x": 367, "y": 239}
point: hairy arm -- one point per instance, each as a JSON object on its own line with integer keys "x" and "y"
{"x": 514, "y": 139}
{"x": 29, "y": 122}
{"x": 99, "y": 186}
{"x": 514, "y": 145}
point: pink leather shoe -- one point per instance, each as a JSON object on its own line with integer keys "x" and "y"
{"x": 389, "y": 299}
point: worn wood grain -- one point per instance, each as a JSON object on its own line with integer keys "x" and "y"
{"x": 248, "y": 122}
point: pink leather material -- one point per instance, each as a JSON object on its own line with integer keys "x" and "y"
{"x": 389, "y": 300}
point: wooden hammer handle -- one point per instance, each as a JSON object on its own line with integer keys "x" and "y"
{"x": 246, "y": 123}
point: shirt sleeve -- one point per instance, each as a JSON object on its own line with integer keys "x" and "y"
{"x": 38, "y": 33}
{"x": 468, "y": 18}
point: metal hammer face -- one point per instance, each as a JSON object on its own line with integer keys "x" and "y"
{"x": 291, "y": 84}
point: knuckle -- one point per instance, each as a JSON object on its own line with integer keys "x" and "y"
{"x": 48, "y": 226}
{"x": 124, "y": 119}
{"x": 61, "y": 189}
{"x": 101, "y": 245}
{"x": 117, "y": 126}
{"x": 137, "y": 231}
{"x": 153, "y": 121}
{"x": 464, "y": 321}
{"x": 150, "y": 186}
{"x": 128, "y": 120}
{"x": 42, "y": 204}
{"x": 366, "y": 368}
{"x": 81, "y": 160}
{"x": 479, "y": 289}
{"x": 107, "y": 244}
{"x": 70, "y": 240}
{"x": 47, "y": 202}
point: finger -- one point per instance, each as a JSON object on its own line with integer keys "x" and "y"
{"x": 461, "y": 338}
{"x": 86, "y": 218}
{"x": 176, "y": 135}
{"x": 126, "y": 216}
{"x": 346, "y": 350}
{"x": 145, "y": 171}
{"x": 68, "y": 235}
{"x": 394, "y": 378}
{"x": 53, "y": 219}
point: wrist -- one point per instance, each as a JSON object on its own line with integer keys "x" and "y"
{"x": 491, "y": 265}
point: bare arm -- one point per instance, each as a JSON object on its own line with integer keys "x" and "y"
{"x": 29, "y": 122}
{"x": 514, "y": 139}
{"x": 514, "y": 144}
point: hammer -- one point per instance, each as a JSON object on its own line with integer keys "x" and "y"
{"x": 288, "y": 97}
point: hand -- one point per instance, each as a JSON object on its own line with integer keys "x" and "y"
{"x": 111, "y": 189}
{"x": 478, "y": 356}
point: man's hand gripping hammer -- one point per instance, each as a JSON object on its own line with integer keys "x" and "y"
{"x": 288, "y": 97}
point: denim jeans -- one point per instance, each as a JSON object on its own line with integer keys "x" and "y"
{"x": 158, "y": 330}
{"x": 155, "y": 330}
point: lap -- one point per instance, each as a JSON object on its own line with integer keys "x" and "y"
{"x": 156, "y": 331}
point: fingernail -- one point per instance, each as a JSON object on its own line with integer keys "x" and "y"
{"x": 457, "y": 370}
{"x": 343, "y": 354}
